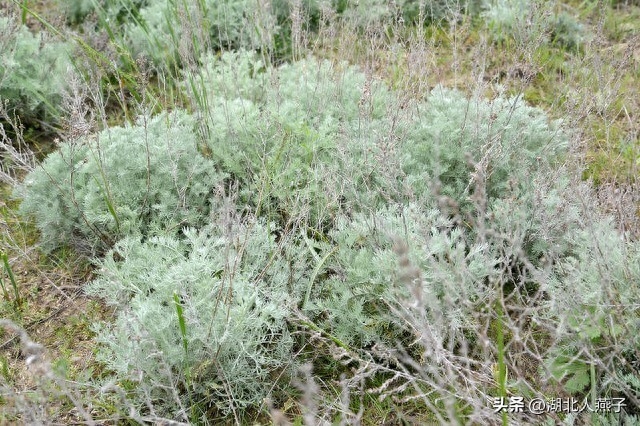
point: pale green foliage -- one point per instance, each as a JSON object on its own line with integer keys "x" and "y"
{"x": 500, "y": 142}
{"x": 124, "y": 180}
{"x": 369, "y": 12}
{"x": 461, "y": 267}
{"x": 324, "y": 142}
{"x": 163, "y": 30}
{"x": 33, "y": 70}
{"x": 339, "y": 167}
{"x": 170, "y": 32}
{"x": 236, "y": 294}
{"x": 566, "y": 31}
{"x": 149, "y": 35}
{"x": 504, "y": 17}
{"x": 366, "y": 282}
{"x": 601, "y": 275}
{"x": 330, "y": 137}
{"x": 290, "y": 133}
{"x": 522, "y": 19}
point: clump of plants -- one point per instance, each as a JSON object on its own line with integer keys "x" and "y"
{"x": 139, "y": 179}
{"x": 174, "y": 33}
{"x": 519, "y": 20}
{"x": 411, "y": 237}
{"x": 33, "y": 70}
{"x": 300, "y": 126}
{"x": 284, "y": 134}
{"x": 205, "y": 314}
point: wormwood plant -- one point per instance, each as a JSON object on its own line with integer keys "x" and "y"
{"x": 315, "y": 137}
{"x": 229, "y": 344}
{"x": 169, "y": 32}
{"x": 454, "y": 138}
{"x": 430, "y": 321}
{"x": 431, "y": 239}
{"x": 522, "y": 19}
{"x": 288, "y": 135}
{"x": 134, "y": 180}
{"x": 358, "y": 295}
{"x": 603, "y": 273}
{"x": 32, "y": 73}
{"x": 174, "y": 32}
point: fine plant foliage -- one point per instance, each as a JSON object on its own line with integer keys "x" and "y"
{"x": 132, "y": 180}
{"x": 233, "y": 286}
{"x": 373, "y": 13}
{"x": 449, "y": 275}
{"x": 567, "y": 32}
{"x": 366, "y": 282}
{"x": 519, "y": 20}
{"x": 32, "y": 72}
{"x": 603, "y": 287}
{"x": 503, "y": 17}
{"x": 434, "y": 245}
{"x": 285, "y": 135}
{"x": 301, "y": 129}
{"x": 171, "y": 33}
{"x": 500, "y": 143}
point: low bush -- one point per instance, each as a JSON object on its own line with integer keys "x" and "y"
{"x": 432, "y": 244}
{"x": 298, "y": 129}
{"x": 286, "y": 135}
{"x": 134, "y": 180}
{"x": 206, "y": 314}
{"x": 520, "y": 20}
{"x": 33, "y": 72}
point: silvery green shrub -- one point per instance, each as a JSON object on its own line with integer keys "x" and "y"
{"x": 458, "y": 263}
{"x": 159, "y": 29}
{"x": 368, "y": 12}
{"x": 520, "y": 19}
{"x": 134, "y": 180}
{"x": 366, "y": 282}
{"x": 169, "y": 31}
{"x": 542, "y": 253}
{"x": 32, "y": 71}
{"x": 505, "y": 17}
{"x": 502, "y": 142}
{"x": 600, "y": 318}
{"x": 566, "y": 31}
{"x": 236, "y": 290}
{"x": 330, "y": 137}
{"x": 285, "y": 133}
{"x": 330, "y": 167}
{"x": 518, "y": 215}
{"x": 326, "y": 139}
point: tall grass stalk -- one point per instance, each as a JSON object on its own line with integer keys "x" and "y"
{"x": 17, "y": 301}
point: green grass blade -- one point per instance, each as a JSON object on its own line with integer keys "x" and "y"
{"x": 182, "y": 323}
{"x": 313, "y": 276}
{"x": 12, "y": 278}
{"x": 4, "y": 289}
